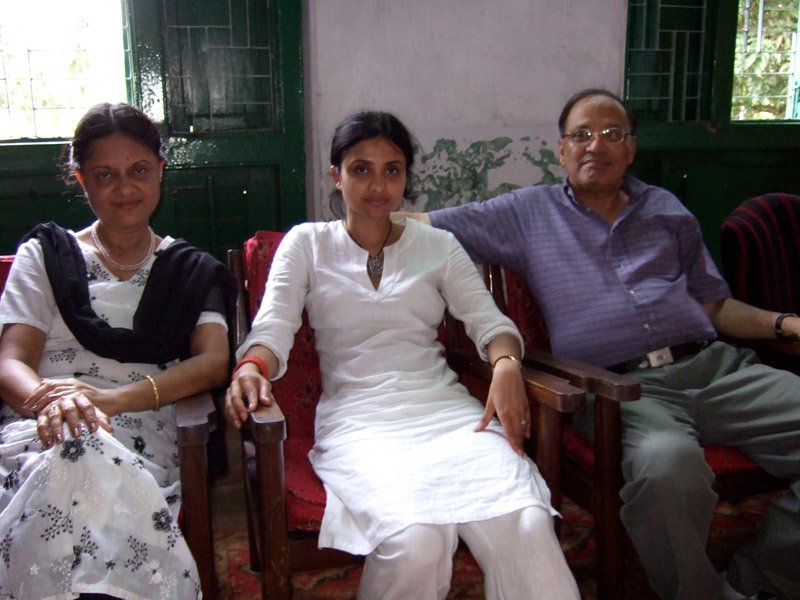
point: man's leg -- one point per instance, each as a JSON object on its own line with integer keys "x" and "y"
{"x": 520, "y": 556}
{"x": 416, "y": 562}
{"x": 667, "y": 497}
{"x": 757, "y": 409}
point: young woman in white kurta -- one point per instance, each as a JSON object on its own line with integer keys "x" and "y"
{"x": 409, "y": 460}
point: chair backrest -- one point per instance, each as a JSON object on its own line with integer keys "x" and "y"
{"x": 5, "y": 267}
{"x": 298, "y": 391}
{"x": 760, "y": 247}
{"x": 513, "y": 298}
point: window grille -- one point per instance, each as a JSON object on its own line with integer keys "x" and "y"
{"x": 665, "y": 78}
{"x": 220, "y": 65}
{"x": 56, "y": 61}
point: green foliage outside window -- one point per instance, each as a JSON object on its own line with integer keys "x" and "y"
{"x": 767, "y": 63}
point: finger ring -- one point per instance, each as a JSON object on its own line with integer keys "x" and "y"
{"x": 523, "y": 422}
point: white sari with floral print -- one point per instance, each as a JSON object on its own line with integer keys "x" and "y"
{"x": 97, "y": 513}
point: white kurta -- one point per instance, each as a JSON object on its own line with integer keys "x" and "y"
{"x": 395, "y": 441}
{"x": 96, "y": 513}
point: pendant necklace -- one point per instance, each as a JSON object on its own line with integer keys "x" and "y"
{"x": 107, "y": 255}
{"x": 374, "y": 263}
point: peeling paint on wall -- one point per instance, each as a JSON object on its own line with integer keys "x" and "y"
{"x": 453, "y": 173}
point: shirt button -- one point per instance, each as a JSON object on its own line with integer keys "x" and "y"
{"x": 647, "y": 326}
{"x": 632, "y": 292}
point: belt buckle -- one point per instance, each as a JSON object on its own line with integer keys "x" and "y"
{"x": 662, "y": 356}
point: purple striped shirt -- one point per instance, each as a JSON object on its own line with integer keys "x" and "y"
{"x": 609, "y": 293}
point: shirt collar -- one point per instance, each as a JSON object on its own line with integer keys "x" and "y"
{"x": 630, "y": 185}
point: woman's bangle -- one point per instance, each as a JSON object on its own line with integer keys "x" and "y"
{"x": 155, "y": 392}
{"x": 510, "y": 357}
{"x": 262, "y": 366}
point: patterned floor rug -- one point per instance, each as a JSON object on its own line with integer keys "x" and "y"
{"x": 734, "y": 524}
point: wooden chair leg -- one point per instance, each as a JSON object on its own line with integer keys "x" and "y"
{"x": 274, "y": 544}
{"x": 548, "y": 452}
{"x": 197, "y": 507}
{"x": 251, "y": 503}
{"x": 610, "y": 534}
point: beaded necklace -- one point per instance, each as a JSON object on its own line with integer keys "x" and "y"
{"x": 374, "y": 263}
{"x": 107, "y": 255}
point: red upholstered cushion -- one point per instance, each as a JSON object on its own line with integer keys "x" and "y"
{"x": 5, "y": 267}
{"x": 297, "y": 393}
{"x": 721, "y": 459}
{"x": 724, "y": 459}
{"x": 305, "y": 495}
{"x": 578, "y": 448}
{"x": 299, "y": 389}
{"x": 525, "y": 312}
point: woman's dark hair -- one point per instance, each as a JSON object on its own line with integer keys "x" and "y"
{"x": 105, "y": 119}
{"x": 562, "y": 120}
{"x": 366, "y": 125}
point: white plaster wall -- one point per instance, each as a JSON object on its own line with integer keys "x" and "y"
{"x": 465, "y": 70}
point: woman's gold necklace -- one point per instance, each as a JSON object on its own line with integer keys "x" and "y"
{"x": 107, "y": 255}
{"x": 374, "y": 263}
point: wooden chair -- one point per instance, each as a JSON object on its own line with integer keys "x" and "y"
{"x": 592, "y": 476}
{"x": 760, "y": 245}
{"x": 286, "y": 500}
{"x": 196, "y": 418}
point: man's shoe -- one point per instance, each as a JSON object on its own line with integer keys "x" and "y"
{"x": 729, "y": 593}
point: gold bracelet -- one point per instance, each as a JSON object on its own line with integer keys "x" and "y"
{"x": 155, "y": 392}
{"x": 510, "y": 357}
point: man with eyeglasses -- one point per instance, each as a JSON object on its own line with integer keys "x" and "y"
{"x": 625, "y": 282}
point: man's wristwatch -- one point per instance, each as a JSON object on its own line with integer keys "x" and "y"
{"x": 779, "y": 333}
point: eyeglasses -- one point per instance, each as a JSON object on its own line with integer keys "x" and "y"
{"x": 612, "y": 135}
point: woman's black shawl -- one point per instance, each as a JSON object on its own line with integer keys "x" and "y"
{"x": 176, "y": 292}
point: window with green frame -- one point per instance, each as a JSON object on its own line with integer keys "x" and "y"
{"x": 225, "y": 79}
{"x": 766, "y": 78}
{"x": 53, "y": 69}
{"x": 713, "y": 60}
{"x": 218, "y": 64}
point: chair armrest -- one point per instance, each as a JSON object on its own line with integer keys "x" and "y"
{"x": 610, "y": 390}
{"x": 196, "y": 417}
{"x": 548, "y": 390}
{"x": 267, "y": 424}
{"x": 266, "y": 486}
{"x": 595, "y": 380}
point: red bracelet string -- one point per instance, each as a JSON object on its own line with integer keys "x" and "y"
{"x": 262, "y": 366}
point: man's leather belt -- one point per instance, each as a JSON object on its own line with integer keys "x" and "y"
{"x": 660, "y": 357}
